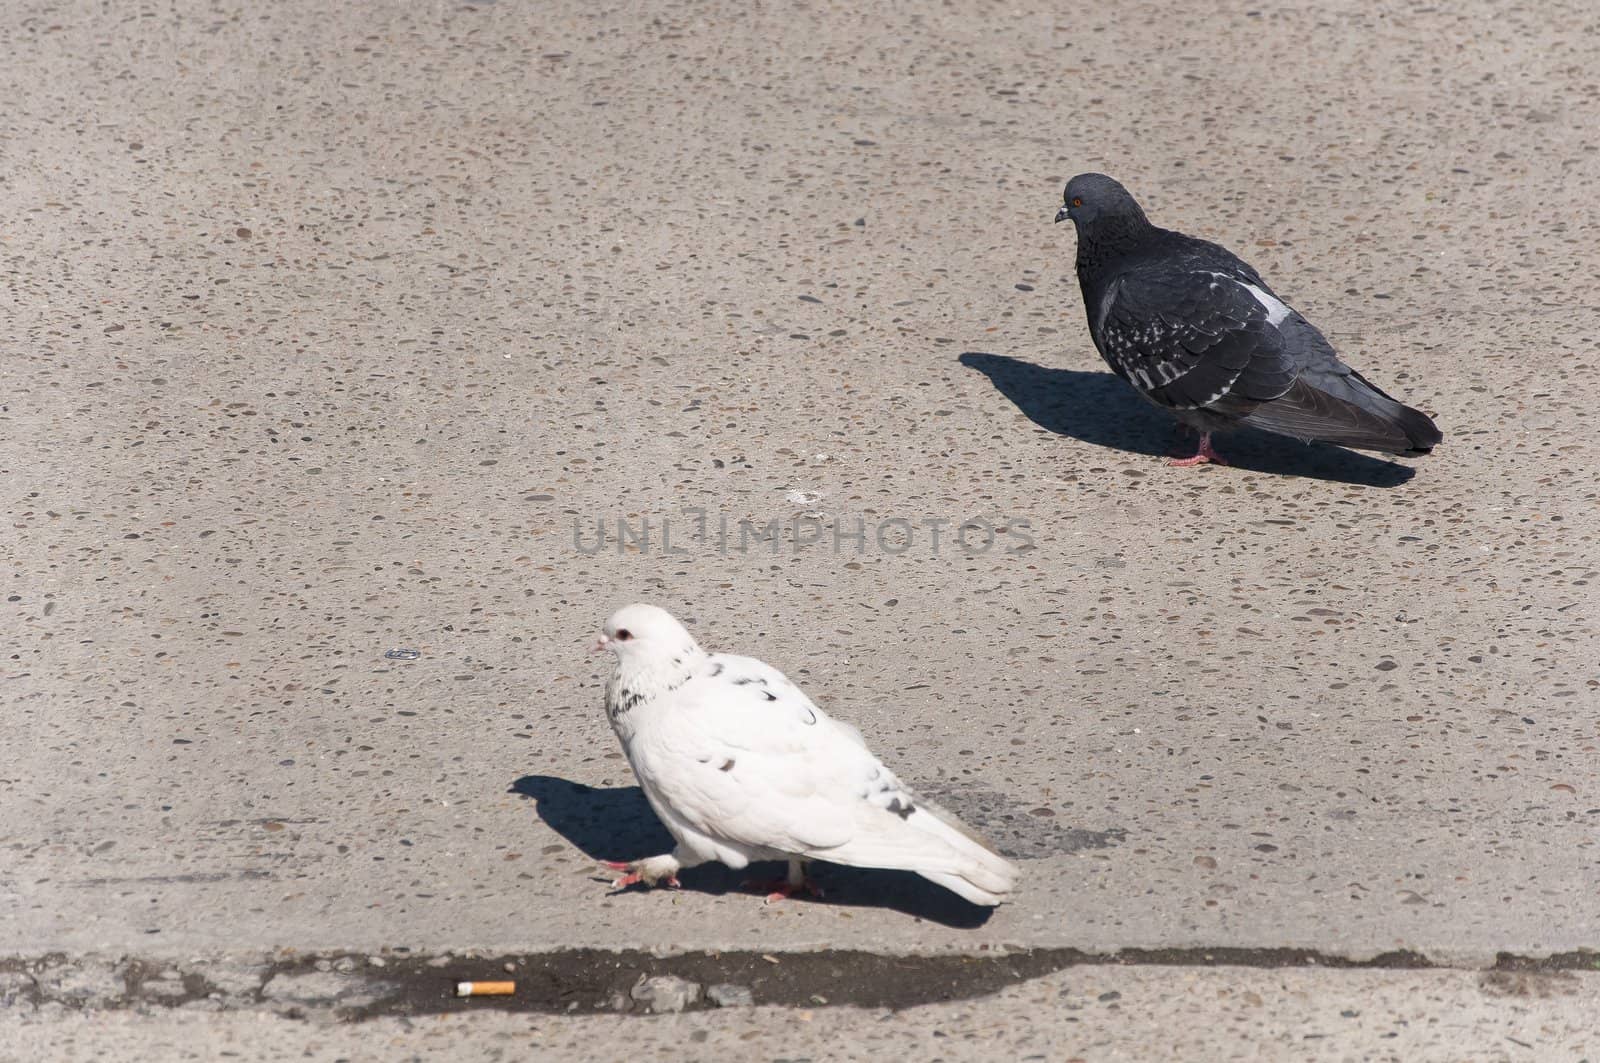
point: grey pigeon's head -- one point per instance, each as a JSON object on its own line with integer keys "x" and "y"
{"x": 1094, "y": 198}
{"x": 644, "y": 634}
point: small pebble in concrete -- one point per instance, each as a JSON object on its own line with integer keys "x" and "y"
{"x": 727, "y": 995}
{"x": 315, "y": 989}
{"x": 665, "y": 993}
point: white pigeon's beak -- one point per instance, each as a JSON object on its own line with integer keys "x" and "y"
{"x": 600, "y": 643}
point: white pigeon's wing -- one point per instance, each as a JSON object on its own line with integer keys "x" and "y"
{"x": 744, "y": 757}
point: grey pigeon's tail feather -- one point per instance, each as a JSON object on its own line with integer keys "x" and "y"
{"x": 1419, "y": 428}
{"x": 1347, "y": 410}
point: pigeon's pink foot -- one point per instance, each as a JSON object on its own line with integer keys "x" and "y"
{"x": 634, "y": 876}
{"x": 782, "y": 889}
{"x": 1204, "y": 455}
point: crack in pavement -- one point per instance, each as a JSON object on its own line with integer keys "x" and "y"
{"x": 353, "y": 987}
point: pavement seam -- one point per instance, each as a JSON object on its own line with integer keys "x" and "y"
{"x": 347, "y": 986}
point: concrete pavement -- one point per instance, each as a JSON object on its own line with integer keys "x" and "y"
{"x": 343, "y": 331}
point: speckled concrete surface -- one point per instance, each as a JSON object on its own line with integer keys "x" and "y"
{"x": 335, "y": 328}
{"x": 1088, "y": 1014}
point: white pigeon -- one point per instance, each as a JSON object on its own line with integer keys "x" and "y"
{"x": 740, "y": 766}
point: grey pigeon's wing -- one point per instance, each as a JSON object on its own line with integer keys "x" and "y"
{"x": 1325, "y": 399}
{"x": 1193, "y": 338}
{"x": 1336, "y": 404}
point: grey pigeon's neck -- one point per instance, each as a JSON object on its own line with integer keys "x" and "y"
{"x": 1109, "y": 239}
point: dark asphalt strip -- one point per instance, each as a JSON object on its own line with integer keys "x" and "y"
{"x": 589, "y": 981}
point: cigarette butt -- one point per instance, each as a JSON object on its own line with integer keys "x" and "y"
{"x": 485, "y": 989}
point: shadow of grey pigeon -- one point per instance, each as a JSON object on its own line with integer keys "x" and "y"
{"x": 1099, "y": 409}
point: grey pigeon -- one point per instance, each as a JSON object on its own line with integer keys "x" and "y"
{"x": 740, "y": 765}
{"x": 1197, "y": 332}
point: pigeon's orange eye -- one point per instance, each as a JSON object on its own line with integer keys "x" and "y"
{"x": 623, "y": 634}
{"x": 1077, "y": 201}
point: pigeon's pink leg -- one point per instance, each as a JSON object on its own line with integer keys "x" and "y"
{"x": 633, "y": 876}
{"x": 784, "y": 888}
{"x": 1201, "y": 456}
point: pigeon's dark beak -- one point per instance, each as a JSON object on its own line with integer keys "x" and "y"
{"x": 1062, "y": 215}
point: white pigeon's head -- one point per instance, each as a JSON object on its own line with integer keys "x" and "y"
{"x": 642, "y": 634}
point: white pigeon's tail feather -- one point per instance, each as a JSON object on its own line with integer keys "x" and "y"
{"x": 963, "y": 888}
{"x": 933, "y": 843}
{"x": 987, "y": 872}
